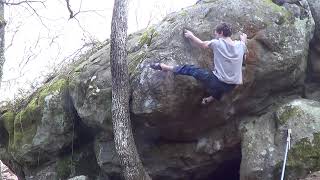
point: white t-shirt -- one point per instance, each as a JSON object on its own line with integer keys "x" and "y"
{"x": 228, "y": 60}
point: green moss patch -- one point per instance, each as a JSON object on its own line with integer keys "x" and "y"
{"x": 287, "y": 112}
{"x": 64, "y": 167}
{"x": 82, "y": 162}
{"x": 26, "y": 121}
{"x": 183, "y": 13}
{"x": 8, "y": 122}
{"x": 274, "y": 6}
{"x": 134, "y": 60}
{"x": 147, "y": 36}
{"x": 304, "y": 157}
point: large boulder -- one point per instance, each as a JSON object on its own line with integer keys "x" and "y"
{"x": 175, "y": 160}
{"x": 43, "y": 127}
{"x": 264, "y": 142}
{"x": 90, "y": 89}
{"x": 81, "y": 161}
{"x": 278, "y": 50}
{"x": 277, "y": 59}
{"x": 177, "y": 138}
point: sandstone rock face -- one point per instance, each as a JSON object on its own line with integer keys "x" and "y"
{"x": 65, "y": 128}
{"x": 264, "y": 142}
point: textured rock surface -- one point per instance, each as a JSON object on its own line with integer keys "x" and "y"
{"x": 79, "y": 178}
{"x": 313, "y": 176}
{"x": 278, "y": 52}
{"x": 264, "y": 141}
{"x": 64, "y": 130}
{"x": 42, "y": 128}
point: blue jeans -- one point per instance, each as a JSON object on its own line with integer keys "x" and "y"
{"x": 215, "y": 87}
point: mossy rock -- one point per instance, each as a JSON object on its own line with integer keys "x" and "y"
{"x": 147, "y": 36}
{"x": 303, "y": 158}
{"x": 26, "y": 121}
{"x": 8, "y": 123}
{"x": 82, "y": 162}
{"x": 305, "y": 155}
{"x": 63, "y": 168}
{"x": 134, "y": 60}
{"x": 286, "y": 112}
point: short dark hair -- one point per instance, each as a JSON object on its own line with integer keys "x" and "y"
{"x": 225, "y": 29}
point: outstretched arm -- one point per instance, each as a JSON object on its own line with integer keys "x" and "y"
{"x": 196, "y": 40}
{"x": 243, "y": 38}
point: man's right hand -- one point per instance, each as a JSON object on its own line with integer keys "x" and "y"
{"x": 203, "y": 44}
{"x": 243, "y": 37}
{"x": 188, "y": 34}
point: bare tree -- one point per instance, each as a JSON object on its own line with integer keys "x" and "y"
{"x": 125, "y": 146}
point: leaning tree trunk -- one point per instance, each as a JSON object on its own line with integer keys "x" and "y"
{"x": 132, "y": 167}
{"x": 2, "y": 26}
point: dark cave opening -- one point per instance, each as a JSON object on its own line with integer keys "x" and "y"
{"x": 228, "y": 170}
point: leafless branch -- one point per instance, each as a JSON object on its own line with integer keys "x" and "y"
{"x": 37, "y": 42}
{"x": 73, "y": 14}
{"x": 35, "y": 12}
{"x": 21, "y": 2}
{"x": 85, "y": 31}
{"x": 53, "y": 40}
{"x": 13, "y": 36}
{"x": 70, "y": 10}
{"x": 80, "y": 5}
{"x": 77, "y": 52}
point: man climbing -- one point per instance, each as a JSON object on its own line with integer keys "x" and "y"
{"x": 228, "y": 58}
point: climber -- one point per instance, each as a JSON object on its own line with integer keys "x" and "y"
{"x": 228, "y": 58}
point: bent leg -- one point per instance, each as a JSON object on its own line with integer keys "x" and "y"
{"x": 191, "y": 70}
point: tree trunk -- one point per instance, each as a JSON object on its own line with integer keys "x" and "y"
{"x": 2, "y": 26}
{"x": 132, "y": 167}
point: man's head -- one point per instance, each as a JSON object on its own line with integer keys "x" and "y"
{"x": 223, "y": 30}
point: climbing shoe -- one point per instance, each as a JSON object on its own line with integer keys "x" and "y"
{"x": 156, "y": 66}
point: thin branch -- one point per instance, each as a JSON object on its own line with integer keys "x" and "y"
{"x": 77, "y": 52}
{"x": 70, "y": 10}
{"x": 13, "y": 36}
{"x": 73, "y": 14}
{"x": 37, "y": 42}
{"x": 37, "y": 15}
{"x": 21, "y": 2}
{"x": 85, "y": 12}
{"x": 85, "y": 31}
{"x": 80, "y": 5}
